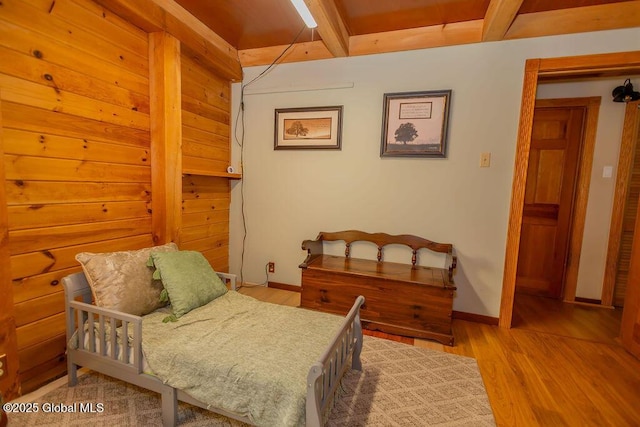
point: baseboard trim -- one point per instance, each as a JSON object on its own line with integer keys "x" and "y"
{"x": 284, "y": 286}
{"x": 477, "y": 318}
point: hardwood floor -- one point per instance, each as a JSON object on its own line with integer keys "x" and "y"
{"x": 537, "y": 376}
{"x": 555, "y": 317}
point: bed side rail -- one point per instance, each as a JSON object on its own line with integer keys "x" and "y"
{"x": 325, "y": 375}
{"x": 101, "y": 326}
{"x": 232, "y": 278}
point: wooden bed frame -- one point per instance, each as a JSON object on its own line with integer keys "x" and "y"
{"x": 323, "y": 378}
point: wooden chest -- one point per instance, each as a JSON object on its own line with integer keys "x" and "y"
{"x": 399, "y": 299}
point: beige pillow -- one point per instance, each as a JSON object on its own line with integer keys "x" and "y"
{"x": 122, "y": 281}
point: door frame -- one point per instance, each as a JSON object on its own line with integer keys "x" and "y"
{"x": 546, "y": 69}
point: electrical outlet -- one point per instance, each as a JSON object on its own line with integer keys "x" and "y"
{"x": 272, "y": 267}
{"x": 3, "y": 366}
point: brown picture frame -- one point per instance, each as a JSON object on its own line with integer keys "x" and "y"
{"x": 415, "y": 124}
{"x": 308, "y": 128}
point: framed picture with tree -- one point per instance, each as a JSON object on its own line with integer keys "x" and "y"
{"x": 308, "y": 128}
{"x": 414, "y": 124}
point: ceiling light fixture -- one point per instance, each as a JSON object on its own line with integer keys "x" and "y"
{"x": 625, "y": 93}
{"x": 304, "y": 13}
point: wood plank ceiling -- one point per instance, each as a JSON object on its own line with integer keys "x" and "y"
{"x": 259, "y": 30}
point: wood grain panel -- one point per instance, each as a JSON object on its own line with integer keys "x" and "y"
{"x": 39, "y": 308}
{"x": 204, "y": 124}
{"x": 44, "y": 192}
{"x": 36, "y": 332}
{"x": 17, "y": 116}
{"x": 217, "y": 234}
{"x": 23, "y": 241}
{"x": 52, "y": 349}
{"x": 42, "y": 24}
{"x": 191, "y": 134}
{"x": 35, "y": 286}
{"x": 204, "y": 187}
{"x": 60, "y": 78}
{"x": 42, "y": 145}
{"x": 205, "y": 218}
{"x": 91, "y": 18}
{"x": 210, "y": 151}
{"x": 48, "y": 98}
{"x": 42, "y": 169}
{"x": 196, "y": 165}
{"x": 203, "y": 109}
{"x": 51, "y": 51}
{"x": 201, "y": 85}
{"x": 208, "y": 243}
{"x": 43, "y": 373}
{"x": 191, "y": 206}
{"x": 38, "y": 215}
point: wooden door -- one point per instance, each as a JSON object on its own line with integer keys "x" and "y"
{"x": 630, "y": 326}
{"x": 549, "y": 194}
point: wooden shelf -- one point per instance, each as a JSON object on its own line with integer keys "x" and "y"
{"x": 211, "y": 173}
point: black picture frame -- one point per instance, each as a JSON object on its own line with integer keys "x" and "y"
{"x": 415, "y": 124}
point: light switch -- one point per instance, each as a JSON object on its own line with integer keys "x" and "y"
{"x": 485, "y": 160}
{"x": 607, "y": 171}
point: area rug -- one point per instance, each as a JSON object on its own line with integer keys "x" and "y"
{"x": 400, "y": 385}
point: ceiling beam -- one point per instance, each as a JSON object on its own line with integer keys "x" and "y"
{"x": 417, "y": 38}
{"x": 299, "y": 52}
{"x": 331, "y": 26}
{"x": 576, "y": 20}
{"x": 499, "y": 17}
{"x": 198, "y": 41}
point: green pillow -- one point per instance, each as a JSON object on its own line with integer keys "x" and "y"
{"x": 188, "y": 278}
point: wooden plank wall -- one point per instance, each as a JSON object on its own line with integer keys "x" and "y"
{"x": 74, "y": 87}
{"x": 206, "y": 106}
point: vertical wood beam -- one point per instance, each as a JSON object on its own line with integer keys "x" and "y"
{"x": 527, "y": 109}
{"x": 499, "y": 17}
{"x": 331, "y": 26}
{"x": 166, "y": 136}
{"x": 9, "y": 386}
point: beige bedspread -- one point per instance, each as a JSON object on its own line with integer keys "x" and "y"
{"x": 241, "y": 355}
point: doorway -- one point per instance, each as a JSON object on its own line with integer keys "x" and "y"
{"x": 556, "y": 156}
{"x": 589, "y": 66}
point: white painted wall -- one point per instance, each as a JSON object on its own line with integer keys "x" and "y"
{"x": 290, "y": 196}
{"x": 601, "y": 190}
